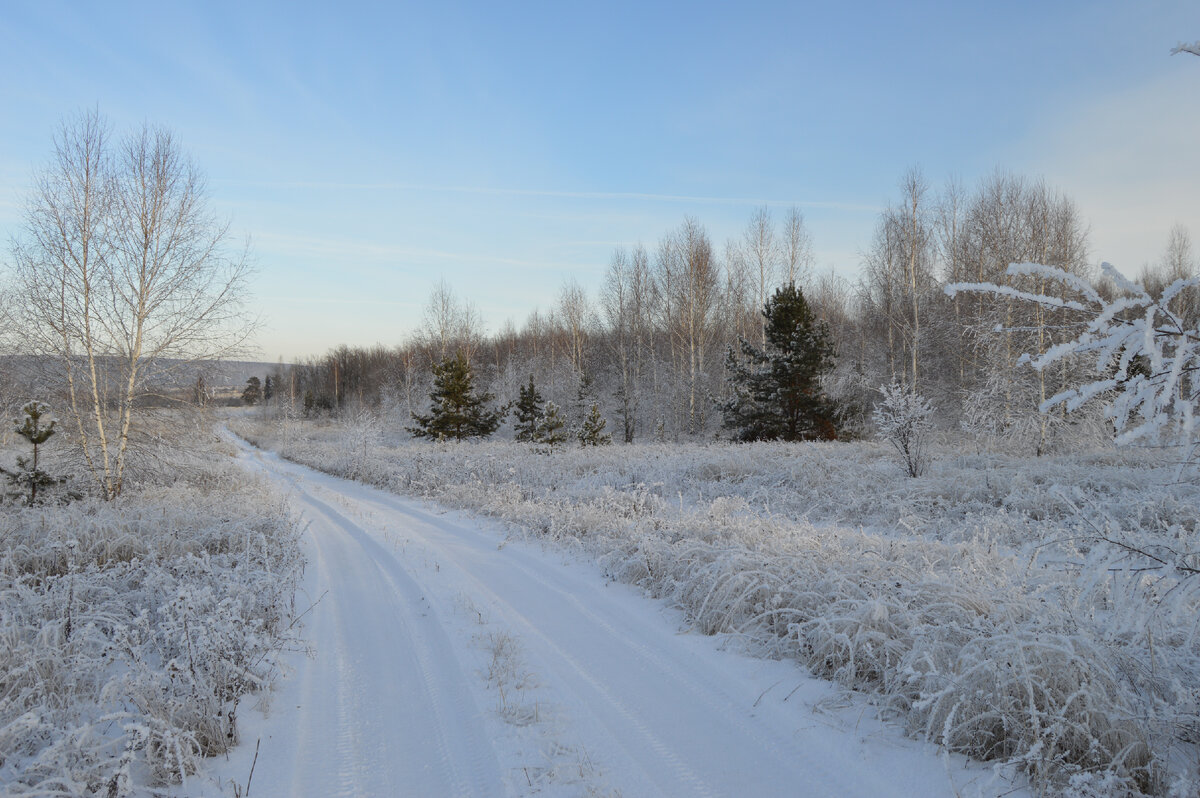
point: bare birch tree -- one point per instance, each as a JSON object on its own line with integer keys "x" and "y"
{"x": 122, "y": 275}
{"x": 917, "y": 273}
{"x": 617, "y": 301}
{"x": 1177, "y": 263}
{"x": 450, "y": 324}
{"x": 576, "y": 318}
{"x": 797, "y": 247}
{"x": 761, "y": 249}
{"x": 689, "y": 280}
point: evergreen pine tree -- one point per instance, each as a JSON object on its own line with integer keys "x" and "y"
{"x": 529, "y": 412}
{"x": 252, "y": 392}
{"x": 552, "y": 429}
{"x": 456, "y": 411}
{"x": 777, "y": 389}
{"x": 268, "y": 390}
{"x": 36, "y": 427}
{"x": 592, "y": 432}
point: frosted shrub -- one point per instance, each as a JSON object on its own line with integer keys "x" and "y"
{"x": 1144, "y": 349}
{"x": 902, "y": 418}
{"x": 362, "y": 431}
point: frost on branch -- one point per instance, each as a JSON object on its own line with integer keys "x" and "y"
{"x": 1144, "y": 351}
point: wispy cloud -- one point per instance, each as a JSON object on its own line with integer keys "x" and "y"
{"x": 581, "y": 195}
{"x": 351, "y": 250}
{"x": 330, "y": 300}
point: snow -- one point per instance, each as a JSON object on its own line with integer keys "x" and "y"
{"x": 451, "y": 659}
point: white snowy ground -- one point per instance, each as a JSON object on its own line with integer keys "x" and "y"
{"x": 448, "y": 661}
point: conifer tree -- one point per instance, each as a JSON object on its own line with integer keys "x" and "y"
{"x": 777, "y": 388}
{"x": 592, "y": 432}
{"x": 456, "y": 410}
{"x": 36, "y": 426}
{"x": 252, "y": 392}
{"x": 529, "y": 412}
{"x": 577, "y": 410}
{"x": 552, "y": 429}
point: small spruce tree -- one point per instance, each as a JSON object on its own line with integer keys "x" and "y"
{"x": 529, "y": 413}
{"x": 592, "y": 432}
{"x": 577, "y": 410}
{"x": 36, "y": 426}
{"x": 552, "y": 429}
{"x": 777, "y": 388}
{"x": 456, "y": 409}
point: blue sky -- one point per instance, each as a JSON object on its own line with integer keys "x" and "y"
{"x": 372, "y": 149}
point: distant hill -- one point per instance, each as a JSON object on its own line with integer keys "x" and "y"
{"x": 229, "y": 373}
{"x": 31, "y": 373}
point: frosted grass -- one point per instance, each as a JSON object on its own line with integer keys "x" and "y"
{"x": 131, "y": 631}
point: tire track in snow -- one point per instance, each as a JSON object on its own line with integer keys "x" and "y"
{"x": 699, "y": 692}
{"x": 384, "y": 708}
{"x": 460, "y": 747}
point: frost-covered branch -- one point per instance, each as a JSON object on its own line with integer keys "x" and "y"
{"x": 1193, "y": 48}
{"x": 902, "y": 419}
{"x": 1146, "y": 354}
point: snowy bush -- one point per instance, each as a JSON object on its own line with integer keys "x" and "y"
{"x": 362, "y": 428}
{"x": 130, "y": 631}
{"x": 902, "y": 418}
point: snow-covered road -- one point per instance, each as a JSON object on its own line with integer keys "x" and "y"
{"x": 449, "y": 661}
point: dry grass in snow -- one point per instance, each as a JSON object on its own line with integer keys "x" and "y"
{"x": 131, "y": 630}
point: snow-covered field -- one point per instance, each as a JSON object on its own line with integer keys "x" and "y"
{"x": 1037, "y": 614}
{"x": 133, "y": 632}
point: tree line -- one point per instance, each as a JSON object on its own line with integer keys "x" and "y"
{"x": 657, "y": 349}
